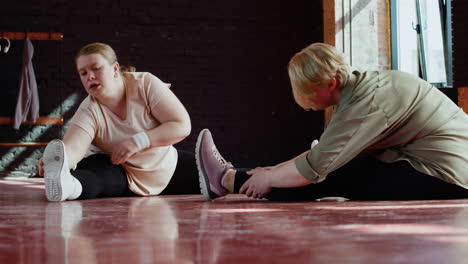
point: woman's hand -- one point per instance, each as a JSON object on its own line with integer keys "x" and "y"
{"x": 259, "y": 184}
{"x": 40, "y": 166}
{"x": 264, "y": 179}
{"x": 123, "y": 151}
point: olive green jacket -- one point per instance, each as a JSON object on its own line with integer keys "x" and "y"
{"x": 393, "y": 116}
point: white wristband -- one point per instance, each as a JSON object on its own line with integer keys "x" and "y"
{"x": 314, "y": 143}
{"x": 141, "y": 140}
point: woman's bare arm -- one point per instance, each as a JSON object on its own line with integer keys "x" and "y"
{"x": 77, "y": 142}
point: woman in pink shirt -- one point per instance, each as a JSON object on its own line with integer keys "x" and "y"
{"x": 134, "y": 119}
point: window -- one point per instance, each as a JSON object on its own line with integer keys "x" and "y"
{"x": 421, "y": 39}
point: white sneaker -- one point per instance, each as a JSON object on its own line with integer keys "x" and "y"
{"x": 60, "y": 185}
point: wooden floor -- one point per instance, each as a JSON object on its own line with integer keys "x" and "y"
{"x": 185, "y": 229}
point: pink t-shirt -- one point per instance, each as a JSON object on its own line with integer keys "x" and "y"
{"x": 150, "y": 170}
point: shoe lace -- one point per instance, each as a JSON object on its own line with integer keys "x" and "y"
{"x": 220, "y": 159}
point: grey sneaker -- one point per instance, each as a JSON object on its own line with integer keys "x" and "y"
{"x": 211, "y": 166}
{"x": 59, "y": 183}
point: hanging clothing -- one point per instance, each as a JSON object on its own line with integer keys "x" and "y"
{"x": 27, "y": 106}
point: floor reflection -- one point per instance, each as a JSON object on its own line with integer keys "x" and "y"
{"x": 144, "y": 230}
{"x": 186, "y": 229}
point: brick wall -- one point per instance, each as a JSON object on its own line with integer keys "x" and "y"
{"x": 226, "y": 60}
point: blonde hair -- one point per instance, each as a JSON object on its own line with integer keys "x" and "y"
{"x": 105, "y": 51}
{"x": 317, "y": 64}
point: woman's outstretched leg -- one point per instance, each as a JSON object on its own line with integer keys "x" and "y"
{"x": 60, "y": 185}
{"x": 212, "y": 167}
{"x": 367, "y": 179}
{"x": 184, "y": 180}
{"x": 360, "y": 179}
{"x": 101, "y": 178}
{"x": 218, "y": 177}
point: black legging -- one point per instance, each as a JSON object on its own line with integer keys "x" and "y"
{"x": 100, "y": 178}
{"x": 368, "y": 179}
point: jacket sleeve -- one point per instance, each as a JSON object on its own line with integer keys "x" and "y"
{"x": 349, "y": 132}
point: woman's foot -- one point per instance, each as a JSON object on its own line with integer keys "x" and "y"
{"x": 60, "y": 185}
{"x": 212, "y": 167}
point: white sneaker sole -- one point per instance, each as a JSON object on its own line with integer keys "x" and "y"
{"x": 202, "y": 177}
{"x": 54, "y": 159}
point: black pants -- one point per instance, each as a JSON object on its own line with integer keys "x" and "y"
{"x": 100, "y": 178}
{"x": 368, "y": 179}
